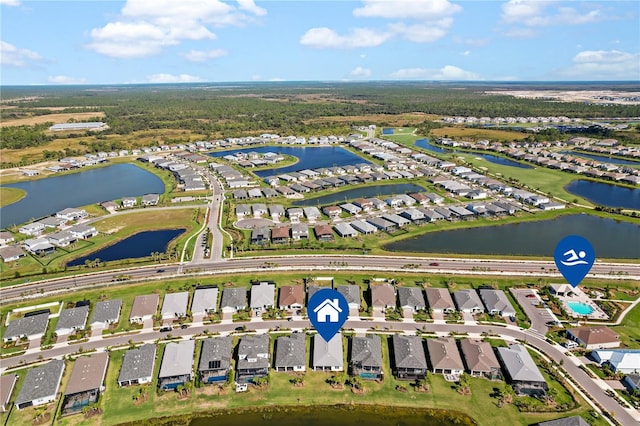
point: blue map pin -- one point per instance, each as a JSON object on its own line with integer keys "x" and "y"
{"x": 327, "y": 310}
{"x": 574, "y": 257}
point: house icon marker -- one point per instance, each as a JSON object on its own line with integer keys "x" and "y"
{"x": 328, "y": 311}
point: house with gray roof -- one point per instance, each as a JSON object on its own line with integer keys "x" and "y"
{"x": 396, "y": 219}
{"x": 566, "y": 421}
{"x": 444, "y": 356}
{"x": 215, "y": 359}
{"x": 86, "y": 382}
{"x": 363, "y": 227}
{"x": 260, "y": 235}
{"x": 383, "y": 296}
{"x": 439, "y": 300}
{"x": 7, "y": 384}
{"x": 409, "y": 361}
{"x": 345, "y": 230}
{"x": 352, "y": 294}
{"x": 41, "y": 385}
{"x": 177, "y": 364}
{"x": 414, "y": 215}
{"x": 144, "y": 308}
{"x": 411, "y": 299}
{"x": 174, "y": 305}
{"x": 382, "y": 224}
{"x": 521, "y": 371}
{"x": 105, "y": 313}
{"x": 497, "y": 303}
{"x": 365, "y": 359}
{"x": 11, "y": 253}
{"x": 137, "y": 365}
{"x": 291, "y": 353}
{"x": 262, "y": 296}
{"x": 205, "y": 301}
{"x": 311, "y": 213}
{"x": 253, "y": 358}
{"x": 243, "y": 210}
{"x": 30, "y": 326}
{"x": 72, "y": 319}
{"x": 480, "y": 359}
{"x": 327, "y": 356}
{"x": 233, "y": 299}
{"x": 468, "y": 301}
{"x": 299, "y": 231}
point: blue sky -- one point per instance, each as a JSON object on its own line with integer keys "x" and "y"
{"x": 168, "y": 41}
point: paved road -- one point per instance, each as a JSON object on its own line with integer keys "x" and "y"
{"x": 556, "y": 353}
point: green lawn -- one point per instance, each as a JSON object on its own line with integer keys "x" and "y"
{"x": 629, "y": 330}
{"x": 10, "y": 195}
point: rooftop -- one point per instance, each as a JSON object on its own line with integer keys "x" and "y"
{"x": 88, "y": 373}
{"x": 177, "y": 359}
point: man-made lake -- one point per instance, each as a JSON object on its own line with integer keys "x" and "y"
{"x": 610, "y": 239}
{"x": 138, "y": 245}
{"x": 602, "y": 158}
{"x": 49, "y": 195}
{"x": 426, "y": 144}
{"x": 605, "y": 194}
{"x": 338, "y": 416}
{"x": 308, "y": 157}
{"x": 364, "y": 192}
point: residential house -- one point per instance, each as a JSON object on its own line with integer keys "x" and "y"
{"x": 39, "y": 246}
{"x": 177, "y": 364}
{"x": 53, "y": 222}
{"x": 6, "y": 237}
{"x": 345, "y": 230}
{"x": 150, "y": 199}
{"x": 299, "y": 231}
{"x": 32, "y": 326}
{"x": 72, "y": 214}
{"x": 215, "y": 359}
{"x": 41, "y": 385}
{"x": 137, "y": 365}
{"x": 594, "y": 337}
{"x": 497, "y": 303}
{"x": 383, "y": 296}
{"x": 625, "y": 361}
{"x": 312, "y": 213}
{"x": 363, "y": 227}
{"x": 128, "y": 202}
{"x": 468, "y": 301}
{"x": 32, "y": 229}
{"x": 72, "y": 319}
{"x": 332, "y": 211}
{"x": 521, "y": 371}
{"x": 632, "y": 383}
{"x": 259, "y": 209}
{"x": 82, "y": 232}
{"x": 480, "y": 359}
{"x": 352, "y": 294}
{"x": 444, "y": 356}
{"x": 276, "y": 211}
{"x": 260, "y": 235}
{"x": 291, "y": 353}
{"x": 291, "y": 298}
{"x": 175, "y": 305}
{"x": 382, "y": 224}
{"x": 414, "y": 215}
{"x": 205, "y": 301}
{"x": 105, "y": 313}
{"x": 7, "y": 385}
{"x": 409, "y": 361}
{"x": 11, "y": 253}
{"x": 144, "y": 308}
{"x": 280, "y": 235}
{"x": 243, "y": 210}
{"x": 86, "y": 382}
{"x": 439, "y": 300}
{"x": 350, "y": 208}
{"x": 233, "y": 299}
{"x": 327, "y": 356}
{"x": 365, "y": 359}
{"x": 239, "y": 194}
{"x": 411, "y": 299}
{"x": 323, "y": 232}
{"x": 262, "y": 296}
{"x": 61, "y": 239}
{"x": 253, "y": 358}
{"x": 565, "y": 421}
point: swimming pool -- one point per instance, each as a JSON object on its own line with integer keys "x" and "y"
{"x": 580, "y": 308}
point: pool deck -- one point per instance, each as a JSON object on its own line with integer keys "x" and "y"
{"x": 579, "y": 296}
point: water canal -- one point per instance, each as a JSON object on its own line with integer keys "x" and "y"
{"x": 49, "y": 195}
{"x": 364, "y": 192}
{"x": 426, "y": 144}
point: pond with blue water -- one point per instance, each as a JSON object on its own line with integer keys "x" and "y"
{"x": 138, "y": 245}
{"x": 308, "y": 157}
{"x": 49, "y": 195}
{"x": 426, "y": 144}
{"x": 610, "y": 238}
{"x": 605, "y": 194}
{"x": 602, "y": 158}
{"x": 364, "y": 192}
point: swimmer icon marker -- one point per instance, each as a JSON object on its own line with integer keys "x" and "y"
{"x": 574, "y": 257}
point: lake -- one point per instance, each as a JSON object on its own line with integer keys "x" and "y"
{"x": 308, "y": 157}
{"x": 602, "y": 158}
{"x": 364, "y": 192}
{"x": 610, "y": 238}
{"x": 426, "y": 144}
{"x": 337, "y": 415}
{"x": 49, "y": 195}
{"x": 141, "y": 244}
{"x": 605, "y": 194}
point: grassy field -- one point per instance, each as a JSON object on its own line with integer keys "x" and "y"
{"x": 629, "y": 330}
{"x": 52, "y": 118}
{"x": 11, "y": 195}
{"x": 474, "y": 134}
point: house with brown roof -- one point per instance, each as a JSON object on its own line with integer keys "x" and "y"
{"x": 291, "y": 297}
{"x": 444, "y": 356}
{"x": 86, "y": 382}
{"x": 480, "y": 360}
{"x": 280, "y": 235}
{"x": 383, "y": 296}
{"x": 7, "y": 384}
{"x": 594, "y": 337}
{"x": 144, "y": 308}
{"x": 439, "y": 300}
{"x": 323, "y": 232}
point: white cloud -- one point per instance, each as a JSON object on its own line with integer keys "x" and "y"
{"x": 170, "y": 78}
{"x": 535, "y": 13}
{"x": 403, "y": 9}
{"x": 15, "y": 56}
{"x": 145, "y": 28}
{"x": 201, "y": 56}
{"x": 448, "y": 72}
{"x": 65, "y": 79}
{"x": 604, "y": 65}
{"x": 466, "y": 53}
{"x": 359, "y": 37}
{"x": 10, "y": 2}
{"x": 360, "y": 72}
